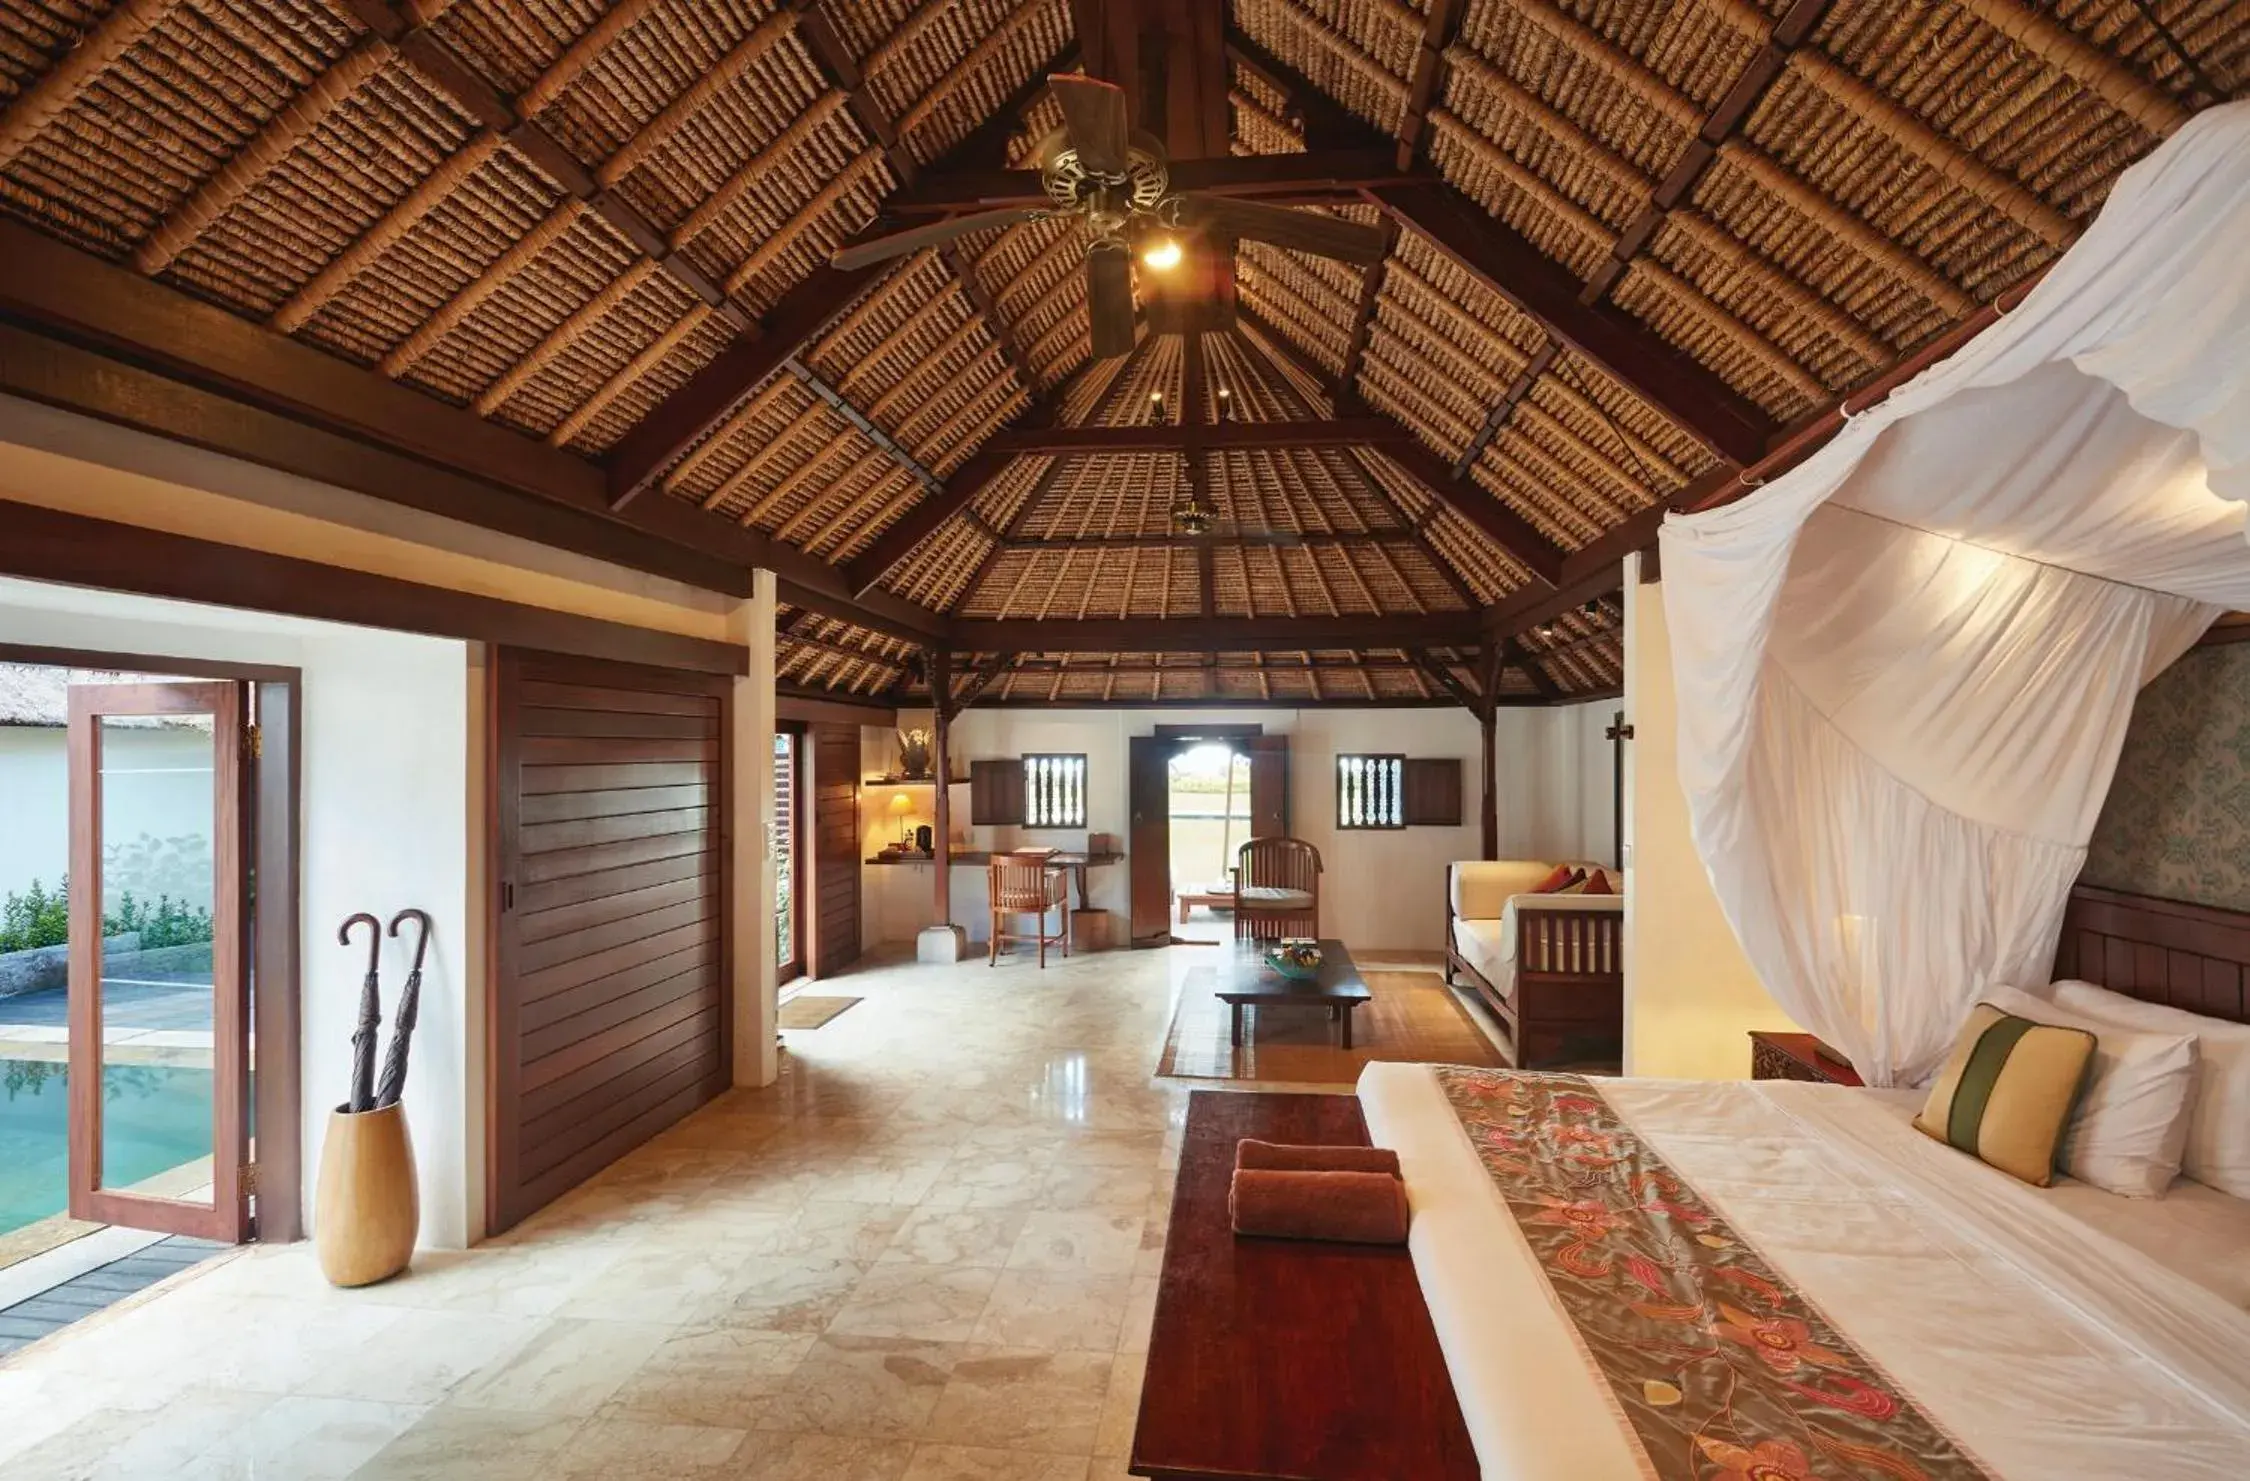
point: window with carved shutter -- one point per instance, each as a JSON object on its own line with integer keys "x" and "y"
{"x": 1054, "y": 790}
{"x": 1370, "y": 791}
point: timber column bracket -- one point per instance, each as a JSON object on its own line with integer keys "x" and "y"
{"x": 942, "y": 941}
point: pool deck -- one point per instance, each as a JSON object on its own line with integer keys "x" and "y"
{"x": 159, "y": 1023}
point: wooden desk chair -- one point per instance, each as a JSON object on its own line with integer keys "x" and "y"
{"x": 1026, "y": 884}
{"x": 1277, "y": 889}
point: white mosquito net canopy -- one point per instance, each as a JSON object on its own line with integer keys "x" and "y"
{"x": 1905, "y": 667}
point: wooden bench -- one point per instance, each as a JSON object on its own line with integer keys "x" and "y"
{"x": 1274, "y": 1359}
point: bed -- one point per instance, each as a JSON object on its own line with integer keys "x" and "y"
{"x": 2055, "y": 1334}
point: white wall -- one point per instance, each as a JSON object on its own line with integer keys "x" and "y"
{"x": 1383, "y": 889}
{"x": 386, "y": 823}
{"x": 35, "y": 794}
{"x": 1691, "y": 997}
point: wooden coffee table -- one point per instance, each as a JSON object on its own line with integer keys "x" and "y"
{"x": 1245, "y": 981}
{"x": 1209, "y": 899}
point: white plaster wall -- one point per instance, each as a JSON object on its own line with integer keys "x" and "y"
{"x": 386, "y": 822}
{"x": 1383, "y": 889}
{"x": 1691, "y": 997}
{"x": 35, "y": 798}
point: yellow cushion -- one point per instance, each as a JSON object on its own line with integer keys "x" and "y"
{"x": 2006, "y": 1094}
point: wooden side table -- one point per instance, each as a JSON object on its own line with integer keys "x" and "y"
{"x": 1795, "y": 1057}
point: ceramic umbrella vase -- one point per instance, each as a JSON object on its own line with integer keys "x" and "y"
{"x": 367, "y": 1208}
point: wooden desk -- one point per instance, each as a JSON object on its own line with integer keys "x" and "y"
{"x": 977, "y": 858}
{"x": 1275, "y": 1358}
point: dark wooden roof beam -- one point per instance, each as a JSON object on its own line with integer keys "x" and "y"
{"x": 842, "y": 406}
{"x": 1222, "y": 437}
{"x": 1504, "y": 409}
{"x": 1322, "y": 175}
{"x": 1438, "y": 30}
{"x": 1198, "y": 635}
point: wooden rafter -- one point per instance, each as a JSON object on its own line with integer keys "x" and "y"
{"x": 1318, "y": 175}
{"x": 1439, "y": 28}
{"x": 1169, "y": 436}
{"x": 1219, "y": 635}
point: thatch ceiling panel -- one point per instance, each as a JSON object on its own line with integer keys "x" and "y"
{"x": 941, "y": 567}
{"x": 433, "y": 259}
{"x": 1364, "y": 67}
{"x": 166, "y": 115}
{"x": 1110, "y": 494}
{"x": 1012, "y": 42}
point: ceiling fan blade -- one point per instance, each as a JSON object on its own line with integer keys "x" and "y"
{"x": 1109, "y": 300}
{"x": 1094, "y": 117}
{"x": 936, "y": 234}
{"x": 1301, "y": 231}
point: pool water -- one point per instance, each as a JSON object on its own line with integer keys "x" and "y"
{"x": 154, "y": 1118}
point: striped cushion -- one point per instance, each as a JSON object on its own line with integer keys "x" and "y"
{"x": 2005, "y": 1095}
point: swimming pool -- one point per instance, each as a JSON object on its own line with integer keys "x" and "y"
{"x": 155, "y": 1118}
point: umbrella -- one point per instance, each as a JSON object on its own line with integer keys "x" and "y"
{"x": 409, "y": 1004}
{"x": 370, "y": 1012}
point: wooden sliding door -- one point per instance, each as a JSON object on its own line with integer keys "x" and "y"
{"x": 834, "y": 892}
{"x": 611, "y": 1015}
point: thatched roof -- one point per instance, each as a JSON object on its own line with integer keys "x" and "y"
{"x": 570, "y": 220}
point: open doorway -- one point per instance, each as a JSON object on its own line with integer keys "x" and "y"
{"x": 125, "y": 927}
{"x": 1208, "y": 795}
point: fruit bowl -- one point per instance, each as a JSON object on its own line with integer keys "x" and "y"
{"x": 1297, "y": 959}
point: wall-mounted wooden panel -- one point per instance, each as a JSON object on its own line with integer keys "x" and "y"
{"x": 611, "y": 1016}
{"x": 1431, "y": 796}
{"x": 835, "y": 861}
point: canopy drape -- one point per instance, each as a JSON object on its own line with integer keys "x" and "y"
{"x": 1906, "y": 666}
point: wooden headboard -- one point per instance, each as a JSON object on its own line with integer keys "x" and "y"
{"x": 2161, "y": 951}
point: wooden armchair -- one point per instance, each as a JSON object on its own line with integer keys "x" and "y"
{"x": 1026, "y": 884}
{"x": 1277, "y": 889}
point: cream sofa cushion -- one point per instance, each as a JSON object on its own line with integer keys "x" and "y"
{"x": 1482, "y": 887}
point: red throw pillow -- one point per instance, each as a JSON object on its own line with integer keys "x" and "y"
{"x": 1554, "y": 881}
{"x": 1598, "y": 885}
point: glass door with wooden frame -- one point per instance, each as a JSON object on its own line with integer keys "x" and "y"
{"x": 788, "y": 921}
{"x": 159, "y": 972}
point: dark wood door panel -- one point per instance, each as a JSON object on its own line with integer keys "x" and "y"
{"x": 610, "y": 1018}
{"x": 835, "y": 878}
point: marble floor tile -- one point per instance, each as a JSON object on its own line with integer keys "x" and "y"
{"x": 780, "y": 1457}
{"x": 932, "y": 1303}
{"x": 710, "y": 1376}
{"x": 784, "y": 1294}
{"x": 637, "y": 1450}
{"x": 303, "y": 1439}
{"x": 449, "y": 1443}
{"x": 1009, "y": 1398}
{"x": 1094, "y": 1242}
{"x": 1054, "y": 1310}
{"x": 1121, "y": 1407}
{"x": 973, "y": 1463}
{"x": 871, "y": 1387}
{"x": 572, "y": 1365}
{"x": 945, "y": 1236}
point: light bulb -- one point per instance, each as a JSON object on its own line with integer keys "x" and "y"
{"x": 1163, "y": 255}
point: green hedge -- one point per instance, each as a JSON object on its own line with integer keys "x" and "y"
{"x": 36, "y": 918}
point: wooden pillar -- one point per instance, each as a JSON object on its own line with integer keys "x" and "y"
{"x": 1488, "y": 720}
{"x": 941, "y": 705}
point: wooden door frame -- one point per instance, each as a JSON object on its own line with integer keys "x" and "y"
{"x": 1171, "y": 741}
{"x": 276, "y": 1068}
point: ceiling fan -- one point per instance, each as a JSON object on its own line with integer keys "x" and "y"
{"x": 1116, "y": 180}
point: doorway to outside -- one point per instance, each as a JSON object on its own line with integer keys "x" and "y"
{"x": 1208, "y": 795}
{"x": 126, "y": 805}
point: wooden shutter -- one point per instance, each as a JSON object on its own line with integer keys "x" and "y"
{"x": 1433, "y": 792}
{"x": 1269, "y": 785}
{"x": 610, "y": 1011}
{"x": 996, "y": 792}
{"x": 834, "y": 891}
{"x": 1149, "y": 836}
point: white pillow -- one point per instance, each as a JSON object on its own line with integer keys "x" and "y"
{"x": 2130, "y": 1123}
{"x": 2218, "y": 1140}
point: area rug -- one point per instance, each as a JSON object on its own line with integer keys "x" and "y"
{"x": 1412, "y": 1017}
{"x": 810, "y": 1010}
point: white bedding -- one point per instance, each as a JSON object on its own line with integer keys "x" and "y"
{"x": 2021, "y": 1321}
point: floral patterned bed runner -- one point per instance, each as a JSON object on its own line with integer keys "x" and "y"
{"x": 1720, "y": 1366}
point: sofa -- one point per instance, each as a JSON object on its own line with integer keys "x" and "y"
{"x": 1551, "y": 967}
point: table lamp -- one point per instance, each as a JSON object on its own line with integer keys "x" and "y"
{"x": 902, "y": 807}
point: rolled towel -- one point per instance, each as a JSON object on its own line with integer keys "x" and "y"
{"x": 1286, "y": 1157}
{"x": 1350, "y": 1207}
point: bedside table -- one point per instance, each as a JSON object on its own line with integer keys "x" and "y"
{"x": 1793, "y": 1057}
